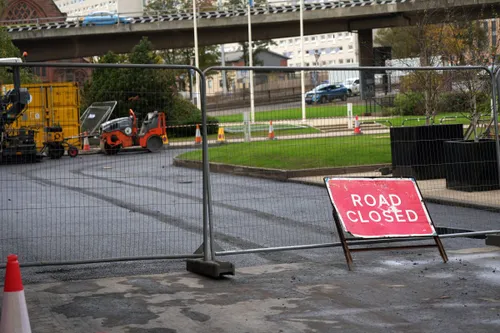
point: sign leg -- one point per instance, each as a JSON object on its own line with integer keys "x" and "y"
{"x": 441, "y": 249}
{"x": 345, "y": 246}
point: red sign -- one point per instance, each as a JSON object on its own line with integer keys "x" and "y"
{"x": 380, "y": 207}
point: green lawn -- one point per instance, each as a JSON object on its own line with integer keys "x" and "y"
{"x": 303, "y": 154}
{"x": 322, "y": 111}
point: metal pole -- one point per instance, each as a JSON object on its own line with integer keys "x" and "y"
{"x": 302, "y": 78}
{"x": 223, "y": 63}
{"x": 222, "y": 56}
{"x": 250, "y": 63}
{"x": 495, "y": 118}
{"x": 196, "y": 57}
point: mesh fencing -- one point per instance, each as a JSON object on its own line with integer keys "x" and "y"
{"x": 121, "y": 199}
{"x": 402, "y": 122}
{"x": 117, "y": 200}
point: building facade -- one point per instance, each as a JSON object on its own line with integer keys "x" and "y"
{"x": 331, "y": 49}
{"x": 77, "y": 8}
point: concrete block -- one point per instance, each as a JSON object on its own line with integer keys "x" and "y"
{"x": 213, "y": 269}
{"x": 493, "y": 240}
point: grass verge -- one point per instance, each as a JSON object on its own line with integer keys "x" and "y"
{"x": 322, "y": 111}
{"x": 302, "y": 154}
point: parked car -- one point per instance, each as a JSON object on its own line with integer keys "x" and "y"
{"x": 326, "y": 92}
{"x": 352, "y": 86}
{"x": 104, "y": 18}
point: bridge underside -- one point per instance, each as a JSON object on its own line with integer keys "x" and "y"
{"x": 48, "y": 45}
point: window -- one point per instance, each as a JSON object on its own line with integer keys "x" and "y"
{"x": 323, "y": 63}
{"x": 331, "y": 62}
{"x": 350, "y": 47}
{"x": 306, "y": 39}
{"x": 341, "y": 61}
{"x": 209, "y": 84}
{"x": 330, "y": 36}
{"x": 306, "y": 64}
{"x": 328, "y": 50}
{"x": 323, "y": 37}
{"x": 282, "y": 42}
{"x": 313, "y": 39}
{"x": 290, "y": 41}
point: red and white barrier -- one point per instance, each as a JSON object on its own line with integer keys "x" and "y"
{"x": 15, "y": 317}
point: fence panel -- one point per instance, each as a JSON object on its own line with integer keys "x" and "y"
{"x": 129, "y": 203}
{"x": 357, "y": 122}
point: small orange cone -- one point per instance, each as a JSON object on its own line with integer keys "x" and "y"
{"x": 15, "y": 317}
{"x": 271, "y": 131}
{"x": 86, "y": 144}
{"x": 221, "y": 137}
{"x": 197, "y": 139}
{"x": 357, "y": 126}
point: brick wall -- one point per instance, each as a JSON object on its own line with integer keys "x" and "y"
{"x": 29, "y": 9}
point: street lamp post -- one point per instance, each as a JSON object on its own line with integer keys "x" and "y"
{"x": 196, "y": 56}
{"x": 302, "y": 79}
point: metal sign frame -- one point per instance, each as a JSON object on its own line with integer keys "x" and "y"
{"x": 347, "y": 242}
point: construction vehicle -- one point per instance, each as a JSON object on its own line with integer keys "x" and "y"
{"x": 123, "y": 133}
{"x": 16, "y": 144}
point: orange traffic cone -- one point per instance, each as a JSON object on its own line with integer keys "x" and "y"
{"x": 271, "y": 131}
{"x": 357, "y": 126}
{"x": 197, "y": 139}
{"x": 86, "y": 144}
{"x": 14, "y": 310}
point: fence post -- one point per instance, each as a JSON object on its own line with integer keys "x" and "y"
{"x": 207, "y": 266}
{"x": 496, "y": 94}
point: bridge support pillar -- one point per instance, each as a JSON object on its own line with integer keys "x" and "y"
{"x": 365, "y": 47}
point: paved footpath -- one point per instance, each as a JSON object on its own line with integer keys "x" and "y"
{"x": 386, "y": 292}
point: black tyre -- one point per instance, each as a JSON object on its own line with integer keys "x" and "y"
{"x": 111, "y": 150}
{"x": 154, "y": 143}
{"x": 323, "y": 99}
{"x": 56, "y": 150}
{"x": 344, "y": 98}
{"x": 349, "y": 93}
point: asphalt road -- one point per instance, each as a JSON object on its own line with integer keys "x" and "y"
{"x": 138, "y": 204}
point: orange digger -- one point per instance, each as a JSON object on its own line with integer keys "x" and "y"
{"x": 123, "y": 133}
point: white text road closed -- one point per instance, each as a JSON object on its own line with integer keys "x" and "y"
{"x": 380, "y": 207}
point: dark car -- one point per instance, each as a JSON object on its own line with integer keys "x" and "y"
{"x": 326, "y": 92}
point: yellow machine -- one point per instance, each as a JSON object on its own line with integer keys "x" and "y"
{"x": 53, "y": 113}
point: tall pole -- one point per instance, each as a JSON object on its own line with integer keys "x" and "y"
{"x": 196, "y": 57}
{"x": 222, "y": 56}
{"x": 250, "y": 63}
{"x": 302, "y": 79}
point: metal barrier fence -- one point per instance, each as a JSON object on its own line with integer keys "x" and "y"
{"x": 265, "y": 190}
{"x": 127, "y": 204}
{"x": 280, "y": 159}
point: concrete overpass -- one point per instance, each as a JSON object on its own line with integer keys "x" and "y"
{"x": 56, "y": 41}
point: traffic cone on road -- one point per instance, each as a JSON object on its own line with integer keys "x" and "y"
{"x": 357, "y": 126}
{"x": 221, "y": 137}
{"x": 271, "y": 131}
{"x": 197, "y": 139}
{"x": 86, "y": 144}
{"x": 15, "y": 317}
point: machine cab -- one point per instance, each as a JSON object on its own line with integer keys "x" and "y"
{"x": 150, "y": 122}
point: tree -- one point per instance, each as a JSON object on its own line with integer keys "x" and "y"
{"x": 9, "y": 50}
{"x": 143, "y": 89}
{"x": 460, "y": 41}
{"x": 179, "y": 5}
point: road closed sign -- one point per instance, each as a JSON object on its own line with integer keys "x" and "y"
{"x": 380, "y": 207}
